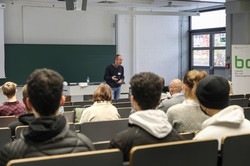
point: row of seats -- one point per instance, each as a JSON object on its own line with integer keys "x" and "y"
{"x": 96, "y": 131}
{"x": 235, "y": 151}
{"x": 240, "y": 96}
{"x": 90, "y": 102}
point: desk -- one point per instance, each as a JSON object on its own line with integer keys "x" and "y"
{"x": 77, "y": 92}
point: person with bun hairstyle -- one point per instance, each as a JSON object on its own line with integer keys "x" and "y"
{"x": 188, "y": 116}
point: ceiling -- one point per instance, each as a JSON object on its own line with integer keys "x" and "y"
{"x": 152, "y": 5}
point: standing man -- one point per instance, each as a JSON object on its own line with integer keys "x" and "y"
{"x": 114, "y": 76}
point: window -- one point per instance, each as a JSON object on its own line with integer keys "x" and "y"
{"x": 207, "y": 48}
{"x": 208, "y": 41}
{"x": 211, "y": 19}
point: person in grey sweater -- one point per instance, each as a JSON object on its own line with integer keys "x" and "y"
{"x": 188, "y": 116}
{"x": 175, "y": 89}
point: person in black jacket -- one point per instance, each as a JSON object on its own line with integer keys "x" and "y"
{"x": 49, "y": 133}
{"x": 24, "y": 119}
{"x": 147, "y": 125}
{"x": 114, "y": 76}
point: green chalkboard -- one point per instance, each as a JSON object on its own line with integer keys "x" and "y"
{"x": 73, "y": 62}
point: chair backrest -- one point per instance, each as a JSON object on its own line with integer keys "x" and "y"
{"x": 247, "y": 96}
{"x": 103, "y": 130}
{"x": 5, "y": 135}
{"x": 70, "y": 115}
{"x": 19, "y": 129}
{"x": 238, "y": 96}
{"x": 101, "y": 145}
{"x": 68, "y": 104}
{"x": 240, "y": 102}
{"x": 187, "y": 136}
{"x": 121, "y": 100}
{"x": 247, "y": 112}
{"x": 83, "y": 103}
{"x": 235, "y": 150}
{"x": 6, "y": 120}
{"x": 69, "y": 108}
{"x": 110, "y": 157}
{"x": 190, "y": 152}
{"x": 124, "y": 111}
{"x": 122, "y": 104}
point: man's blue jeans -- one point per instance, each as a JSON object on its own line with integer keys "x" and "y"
{"x": 116, "y": 92}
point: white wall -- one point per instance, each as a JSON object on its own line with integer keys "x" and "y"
{"x": 147, "y": 43}
{"x": 44, "y": 24}
{"x": 150, "y": 43}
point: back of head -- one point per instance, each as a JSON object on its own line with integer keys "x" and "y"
{"x": 9, "y": 89}
{"x": 177, "y": 85}
{"x": 25, "y": 96}
{"x": 191, "y": 79}
{"x": 213, "y": 92}
{"x": 102, "y": 93}
{"x": 146, "y": 88}
{"x": 45, "y": 90}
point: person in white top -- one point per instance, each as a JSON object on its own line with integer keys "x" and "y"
{"x": 102, "y": 109}
{"x": 213, "y": 95}
{"x": 187, "y": 116}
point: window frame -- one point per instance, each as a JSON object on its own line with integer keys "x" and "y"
{"x": 211, "y": 49}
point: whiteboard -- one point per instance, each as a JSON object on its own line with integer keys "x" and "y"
{"x": 2, "y": 68}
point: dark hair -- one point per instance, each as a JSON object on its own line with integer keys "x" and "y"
{"x": 146, "y": 88}
{"x": 102, "y": 93}
{"x": 45, "y": 90}
{"x": 117, "y": 55}
{"x": 25, "y": 96}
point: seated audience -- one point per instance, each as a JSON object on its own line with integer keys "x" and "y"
{"x": 187, "y": 116}
{"x": 48, "y": 134}
{"x": 147, "y": 125}
{"x": 102, "y": 109}
{"x": 12, "y": 107}
{"x": 213, "y": 95}
{"x": 175, "y": 89}
{"x": 24, "y": 119}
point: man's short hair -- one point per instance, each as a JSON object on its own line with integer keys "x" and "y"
{"x": 117, "y": 55}
{"x": 25, "y": 96}
{"x": 9, "y": 89}
{"x": 102, "y": 93}
{"x": 45, "y": 90}
{"x": 146, "y": 87}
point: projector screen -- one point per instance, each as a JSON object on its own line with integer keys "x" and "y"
{"x": 2, "y": 71}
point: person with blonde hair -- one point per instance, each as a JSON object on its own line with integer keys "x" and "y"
{"x": 188, "y": 116}
{"x": 102, "y": 109}
{"x": 12, "y": 107}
